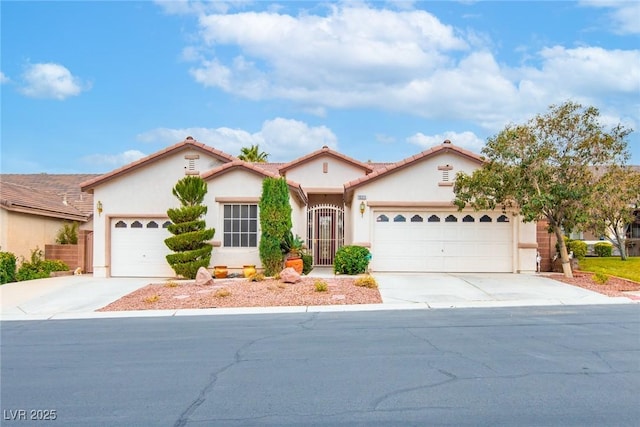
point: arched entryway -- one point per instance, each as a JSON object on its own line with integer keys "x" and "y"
{"x": 325, "y": 232}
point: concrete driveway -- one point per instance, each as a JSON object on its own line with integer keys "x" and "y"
{"x": 71, "y": 297}
{"x": 445, "y": 290}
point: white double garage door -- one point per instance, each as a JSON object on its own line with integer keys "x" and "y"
{"x": 423, "y": 241}
{"x": 138, "y": 248}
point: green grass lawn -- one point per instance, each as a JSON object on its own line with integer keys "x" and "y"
{"x": 629, "y": 269}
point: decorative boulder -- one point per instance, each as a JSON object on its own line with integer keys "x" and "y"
{"x": 203, "y": 277}
{"x": 289, "y": 275}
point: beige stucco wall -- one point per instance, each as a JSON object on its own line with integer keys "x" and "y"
{"x": 419, "y": 185}
{"x": 311, "y": 174}
{"x": 21, "y": 233}
{"x": 4, "y": 230}
{"x": 527, "y": 245}
{"x": 245, "y": 187}
{"x": 241, "y": 186}
{"x": 143, "y": 191}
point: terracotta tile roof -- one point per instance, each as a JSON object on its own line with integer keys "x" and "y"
{"x": 272, "y": 168}
{"x": 325, "y": 150}
{"x": 601, "y": 170}
{"x": 256, "y": 169}
{"x": 188, "y": 143}
{"x": 57, "y": 195}
{"x": 394, "y": 167}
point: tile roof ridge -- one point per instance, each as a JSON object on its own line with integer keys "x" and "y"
{"x": 325, "y": 150}
{"x": 188, "y": 141}
{"x": 431, "y": 151}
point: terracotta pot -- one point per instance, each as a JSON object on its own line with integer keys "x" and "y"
{"x": 220, "y": 271}
{"x": 249, "y": 270}
{"x": 295, "y": 263}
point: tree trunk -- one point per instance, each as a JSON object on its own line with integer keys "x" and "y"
{"x": 622, "y": 247}
{"x": 564, "y": 255}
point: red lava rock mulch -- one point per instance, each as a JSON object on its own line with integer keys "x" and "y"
{"x": 615, "y": 286}
{"x": 243, "y": 293}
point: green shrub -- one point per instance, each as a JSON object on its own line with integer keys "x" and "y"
{"x": 275, "y": 221}
{"x": 222, "y": 293}
{"x": 367, "y": 281}
{"x": 578, "y": 247}
{"x": 256, "y": 277}
{"x": 7, "y": 267}
{"x": 351, "y": 260}
{"x": 38, "y": 268}
{"x": 190, "y": 235}
{"x": 307, "y": 261}
{"x": 321, "y": 286}
{"x": 603, "y": 249}
{"x": 600, "y": 278}
{"x": 68, "y": 234}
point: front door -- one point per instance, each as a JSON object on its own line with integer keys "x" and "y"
{"x": 325, "y": 233}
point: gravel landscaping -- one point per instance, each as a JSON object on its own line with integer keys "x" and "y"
{"x": 271, "y": 292}
{"x": 243, "y": 293}
{"x": 614, "y": 287}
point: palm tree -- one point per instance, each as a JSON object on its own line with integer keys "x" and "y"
{"x": 253, "y": 154}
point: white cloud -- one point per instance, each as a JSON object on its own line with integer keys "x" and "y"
{"x": 467, "y": 140}
{"x": 3, "y": 78}
{"x": 282, "y": 139}
{"x": 335, "y": 57}
{"x": 114, "y": 160}
{"x": 197, "y": 7}
{"x": 385, "y": 139}
{"x": 49, "y": 80}
{"x": 624, "y": 16}
{"x": 588, "y": 70}
{"x": 357, "y": 55}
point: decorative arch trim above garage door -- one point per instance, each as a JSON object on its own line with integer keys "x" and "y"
{"x": 138, "y": 248}
{"x": 442, "y": 242}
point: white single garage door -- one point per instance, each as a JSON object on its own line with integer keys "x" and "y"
{"x": 442, "y": 242}
{"x": 138, "y": 249}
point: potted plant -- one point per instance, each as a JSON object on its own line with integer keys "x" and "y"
{"x": 293, "y": 248}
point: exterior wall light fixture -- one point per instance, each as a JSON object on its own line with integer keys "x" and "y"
{"x": 99, "y": 208}
{"x": 362, "y": 207}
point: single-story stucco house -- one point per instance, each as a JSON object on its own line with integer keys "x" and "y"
{"x": 33, "y": 209}
{"x": 403, "y": 212}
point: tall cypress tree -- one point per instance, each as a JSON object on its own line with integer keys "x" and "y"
{"x": 190, "y": 235}
{"x": 275, "y": 221}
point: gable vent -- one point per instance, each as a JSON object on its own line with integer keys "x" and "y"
{"x": 191, "y": 167}
{"x": 445, "y": 180}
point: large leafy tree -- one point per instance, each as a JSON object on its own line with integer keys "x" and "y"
{"x": 253, "y": 154}
{"x": 616, "y": 193}
{"x": 190, "y": 235}
{"x": 275, "y": 222}
{"x": 543, "y": 168}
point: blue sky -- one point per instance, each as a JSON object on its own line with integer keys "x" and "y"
{"x": 89, "y": 86}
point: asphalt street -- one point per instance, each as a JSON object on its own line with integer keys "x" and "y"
{"x": 525, "y": 366}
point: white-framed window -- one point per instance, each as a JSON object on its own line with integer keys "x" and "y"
{"x": 240, "y": 225}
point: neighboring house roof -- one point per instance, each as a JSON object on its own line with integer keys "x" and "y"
{"x": 325, "y": 151}
{"x": 394, "y": 167}
{"x": 188, "y": 143}
{"x": 56, "y": 196}
{"x": 601, "y": 170}
{"x": 256, "y": 169}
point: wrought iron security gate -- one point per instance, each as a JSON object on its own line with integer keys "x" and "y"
{"x": 325, "y": 232}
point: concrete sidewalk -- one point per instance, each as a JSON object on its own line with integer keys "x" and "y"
{"x": 74, "y": 297}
